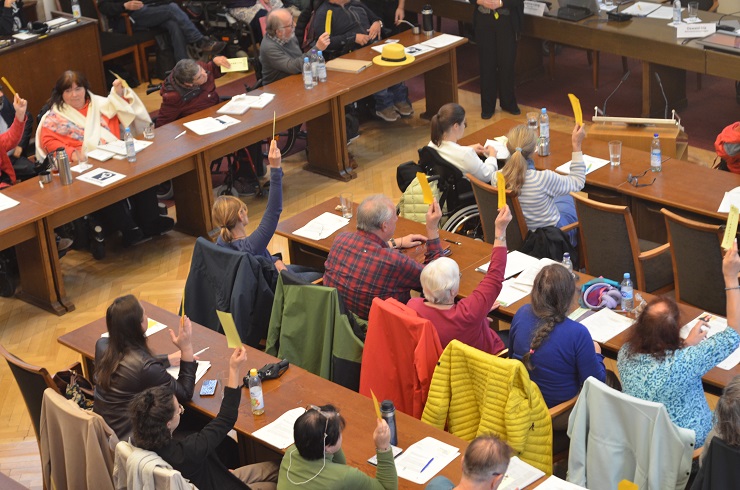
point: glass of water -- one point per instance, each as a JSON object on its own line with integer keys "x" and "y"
{"x": 615, "y": 152}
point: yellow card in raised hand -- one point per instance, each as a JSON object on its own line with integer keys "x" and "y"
{"x": 123, "y": 82}
{"x": 577, "y": 112}
{"x": 7, "y": 84}
{"x": 232, "y": 335}
{"x": 730, "y": 229}
{"x": 426, "y": 191}
{"x": 182, "y": 309}
{"x": 375, "y": 403}
{"x": 501, "y": 186}
{"x": 327, "y": 27}
{"x": 627, "y": 485}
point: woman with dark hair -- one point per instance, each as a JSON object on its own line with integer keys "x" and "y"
{"x": 726, "y": 418}
{"x": 558, "y": 352}
{"x": 655, "y": 364}
{"x": 78, "y": 121}
{"x": 155, "y": 414}
{"x": 448, "y": 126}
{"x": 317, "y": 461}
{"x": 124, "y": 366}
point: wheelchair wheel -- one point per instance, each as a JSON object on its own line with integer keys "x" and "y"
{"x": 285, "y": 142}
{"x": 165, "y": 190}
{"x": 465, "y": 221}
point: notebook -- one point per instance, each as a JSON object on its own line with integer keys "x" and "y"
{"x": 575, "y": 10}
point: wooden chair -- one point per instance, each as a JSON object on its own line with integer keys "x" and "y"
{"x": 697, "y": 262}
{"x": 610, "y": 247}
{"x": 32, "y": 381}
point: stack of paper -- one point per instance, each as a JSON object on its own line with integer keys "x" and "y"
{"x": 239, "y": 104}
{"x": 519, "y": 474}
{"x": 499, "y": 143}
{"x": 203, "y": 366}
{"x": 716, "y": 324}
{"x": 279, "y": 434}
{"x": 6, "y": 202}
{"x": 605, "y": 324}
{"x": 515, "y": 263}
{"x": 424, "y": 459}
{"x": 322, "y": 226}
{"x": 730, "y": 198}
{"x": 119, "y": 147}
{"x": 441, "y": 41}
{"x": 209, "y": 125}
{"x": 592, "y": 163}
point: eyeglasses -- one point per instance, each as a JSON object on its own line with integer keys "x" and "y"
{"x": 289, "y": 26}
{"x": 181, "y": 409}
{"x": 632, "y": 180}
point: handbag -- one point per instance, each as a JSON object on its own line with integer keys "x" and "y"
{"x": 75, "y": 387}
{"x": 601, "y": 293}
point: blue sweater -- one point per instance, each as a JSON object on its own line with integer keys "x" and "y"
{"x": 564, "y": 360}
{"x": 256, "y": 243}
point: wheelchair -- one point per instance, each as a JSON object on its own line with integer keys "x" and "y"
{"x": 213, "y": 19}
{"x": 459, "y": 209}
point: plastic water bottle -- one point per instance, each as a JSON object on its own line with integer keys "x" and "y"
{"x": 307, "y": 75}
{"x": 322, "y": 67}
{"x": 628, "y": 298}
{"x": 314, "y": 58}
{"x": 255, "y": 393}
{"x": 656, "y": 159}
{"x": 76, "y": 10}
{"x": 676, "y": 12}
{"x": 567, "y": 262}
{"x": 388, "y": 412}
{"x": 128, "y": 138}
{"x": 543, "y": 144}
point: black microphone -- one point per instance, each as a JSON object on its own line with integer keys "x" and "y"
{"x": 624, "y": 79}
{"x": 665, "y": 111}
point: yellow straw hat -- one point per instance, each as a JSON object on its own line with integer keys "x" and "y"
{"x": 393, "y": 54}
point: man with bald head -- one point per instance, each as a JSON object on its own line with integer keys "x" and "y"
{"x": 280, "y": 53}
{"x": 483, "y": 466}
{"x": 366, "y": 264}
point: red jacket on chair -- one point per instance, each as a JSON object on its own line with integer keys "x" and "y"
{"x": 401, "y": 352}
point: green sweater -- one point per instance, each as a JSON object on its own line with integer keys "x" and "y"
{"x": 336, "y": 475}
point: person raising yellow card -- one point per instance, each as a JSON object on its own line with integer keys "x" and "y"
{"x": 327, "y": 26}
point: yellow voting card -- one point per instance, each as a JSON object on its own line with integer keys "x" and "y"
{"x": 232, "y": 335}
{"x": 182, "y": 309}
{"x": 627, "y": 485}
{"x": 327, "y": 27}
{"x": 274, "y": 120}
{"x": 123, "y": 82}
{"x": 730, "y": 229}
{"x": 7, "y": 84}
{"x": 577, "y": 112}
{"x": 426, "y": 191}
{"x": 375, "y": 403}
{"x": 501, "y": 186}
{"x": 237, "y": 64}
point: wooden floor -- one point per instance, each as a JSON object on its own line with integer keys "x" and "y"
{"x": 156, "y": 271}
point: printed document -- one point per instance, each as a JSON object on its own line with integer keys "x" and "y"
{"x": 209, "y": 125}
{"x": 515, "y": 263}
{"x": 424, "y": 459}
{"x": 101, "y": 177}
{"x": 6, "y": 202}
{"x": 606, "y": 324}
{"x": 730, "y": 198}
{"x": 279, "y": 434}
{"x": 716, "y": 324}
{"x": 592, "y": 164}
{"x": 119, "y": 147}
{"x": 519, "y": 474}
{"x": 322, "y": 226}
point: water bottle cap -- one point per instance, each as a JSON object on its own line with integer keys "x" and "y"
{"x": 320, "y": 53}
{"x": 305, "y": 60}
{"x": 253, "y": 372}
{"x": 128, "y": 130}
{"x": 655, "y": 135}
{"x": 544, "y": 110}
{"x": 626, "y": 275}
{"x": 566, "y": 255}
{"x": 387, "y": 406}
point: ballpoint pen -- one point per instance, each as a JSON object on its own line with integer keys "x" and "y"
{"x": 426, "y": 465}
{"x": 452, "y": 241}
{"x": 201, "y": 351}
{"x": 180, "y": 134}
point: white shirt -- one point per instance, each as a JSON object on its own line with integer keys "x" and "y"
{"x": 467, "y": 160}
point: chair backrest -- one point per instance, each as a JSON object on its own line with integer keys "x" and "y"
{"x": 644, "y": 445}
{"x": 486, "y": 196}
{"x": 609, "y": 239}
{"x": 697, "y": 262}
{"x": 453, "y": 185}
{"x": 131, "y": 459}
{"x": 32, "y": 381}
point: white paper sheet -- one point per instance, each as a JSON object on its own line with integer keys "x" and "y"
{"x": 280, "y": 433}
{"x": 515, "y": 263}
{"x": 592, "y": 164}
{"x": 209, "y": 125}
{"x": 257, "y": 101}
{"x": 119, "y": 147}
{"x": 415, "y": 50}
{"x": 81, "y": 167}
{"x": 441, "y": 41}
{"x": 499, "y": 143}
{"x": 662, "y": 12}
{"x": 424, "y": 459}
{"x": 203, "y": 366}
{"x": 322, "y": 226}
{"x": 237, "y": 105}
{"x": 716, "y": 324}
{"x": 510, "y": 294}
{"x": 730, "y": 198}
{"x": 6, "y": 202}
{"x": 526, "y": 278}
{"x": 519, "y": 474}
{"x": 640, "y": 9}
{"x": 606, "y": 324}
{"x": 101, "y": 177}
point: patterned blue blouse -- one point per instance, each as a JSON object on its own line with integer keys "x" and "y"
{"x": 676, "y": 380}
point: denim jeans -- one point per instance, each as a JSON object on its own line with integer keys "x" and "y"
{"x": 393, "y": 94}
{"x": 171, "y": 17}
{"x": 567, "y": 208}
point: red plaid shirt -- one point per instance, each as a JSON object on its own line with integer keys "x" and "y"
{"x": 362, "y": 267}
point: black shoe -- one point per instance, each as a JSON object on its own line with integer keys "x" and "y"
{"x": 160, "y": 226}
{"x": 210, "y": 45}
{"x": 514, "y": 111}
{"x": 134, "y": 236}
{"x": 486, "y": 115}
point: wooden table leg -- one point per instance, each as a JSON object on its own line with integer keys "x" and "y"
{"x": 440, "y": 85}
{"x": 327, "y": 144}
{"x": 194, "y": 199}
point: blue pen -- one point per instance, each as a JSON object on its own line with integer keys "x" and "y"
{"x": 426, "y": 465}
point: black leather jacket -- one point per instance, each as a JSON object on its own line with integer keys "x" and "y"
{"x": 137, "y": 371}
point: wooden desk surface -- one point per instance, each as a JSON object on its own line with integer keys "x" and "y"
{"x": 296, "y": 388}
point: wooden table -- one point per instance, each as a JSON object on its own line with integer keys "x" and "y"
{"x": 690, "y": 190}
{"x": 296, "y": 388}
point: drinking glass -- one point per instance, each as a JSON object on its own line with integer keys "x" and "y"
{"x": 615, "y": 152}
{"x": 345, "y": 199}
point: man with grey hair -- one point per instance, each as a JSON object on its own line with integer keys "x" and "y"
{"x": 367, "y": 264}
{"x": 280, "y": 52}
{"x": 483, "y": 466}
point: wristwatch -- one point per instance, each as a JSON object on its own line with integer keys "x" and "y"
{"x": 393, "y": 243}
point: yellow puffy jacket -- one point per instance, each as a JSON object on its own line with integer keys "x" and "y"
{"x": 474, "y": 393}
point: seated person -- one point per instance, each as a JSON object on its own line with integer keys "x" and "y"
{"x": 726, "y": 418}
{"x": 250, "y": 12}
{"x": 354, "y": 25}
{"x": 10, "y": 138}
{"x": 280, "y": 53}
{"x": 155, "y": 414}
{"x": 727, "y": 146}
{"x": 78, "y": 118}
{"x": 22, "y": 166}
{"x": 166, "y": 15}
{"x": 484, "y": 465}
{"x": 655, "y": 364}
{"x": 448, "y": 126}
{"x": 543, "y": 194}
{"x": 466, "y": 320}
{"x": 11, "y": 17}
{"x": 367, "y": 264}
{"x": 124, "y": 366}
{"x": 558, "y": 352}
{"x": 316, "y": 460}
{"x": 230, "y": 215}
